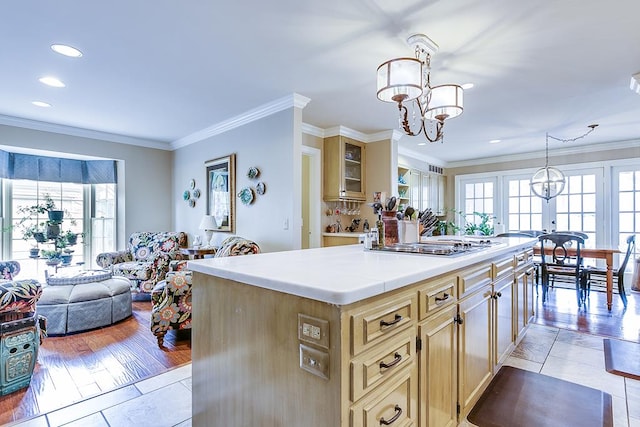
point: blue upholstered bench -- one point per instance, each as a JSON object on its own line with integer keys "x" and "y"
{"x": 82, "y": 301}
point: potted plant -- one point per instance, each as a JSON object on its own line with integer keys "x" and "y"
{"x": 34, "y": 251}
{"x": 483, "y": 228}
{"x": 53, "y": 257}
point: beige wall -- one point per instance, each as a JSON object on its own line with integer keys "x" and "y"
{"x": 145, "y": 199}
{"x": 271, "y": 145}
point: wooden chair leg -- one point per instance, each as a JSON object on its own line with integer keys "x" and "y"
{"x": 160, "y": 337}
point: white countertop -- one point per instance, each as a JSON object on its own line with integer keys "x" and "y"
{"x": 343, "y": 274}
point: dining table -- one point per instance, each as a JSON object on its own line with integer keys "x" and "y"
{"x": 598, "y": 253}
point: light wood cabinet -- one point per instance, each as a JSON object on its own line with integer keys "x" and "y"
{"x": 503, "y": 320}
{"x": 344, "y": 169}
{"x": 475, "y": 363}
{"x": 438, "y": 369}
{"x": 524, "y": 299}
{"x": 417, "y": 356}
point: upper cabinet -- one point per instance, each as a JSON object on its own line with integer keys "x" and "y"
{"x": 344, "y": 169}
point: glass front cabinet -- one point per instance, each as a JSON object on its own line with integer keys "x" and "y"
{"x": 344, "y": 169}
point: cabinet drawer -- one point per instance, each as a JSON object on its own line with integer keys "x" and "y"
{"x": 395, "y": 404}
{"x": 436, "y": 294}
{"x": 503, "y": 267}
{"x": 523, "y": 259}
{"x": 381, "y": 362}
{"x": 473, "y": 278}
{"x": 383, "y": 320}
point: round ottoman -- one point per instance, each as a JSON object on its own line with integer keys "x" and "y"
{"x": 83, "y": 301}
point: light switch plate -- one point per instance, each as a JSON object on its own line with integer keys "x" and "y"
{"x": 313, "y": 330}
{"x": 314, "y": 361}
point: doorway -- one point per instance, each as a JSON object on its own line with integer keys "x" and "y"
{"x": 311, "y": 178}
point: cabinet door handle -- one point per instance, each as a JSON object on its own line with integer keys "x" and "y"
{"x": 393, "y": 419}
{"x": 496, "y": 295}
{"x": 396, "y": 359}
{"x": 443, "y": 298}
{"x": 396, "y": 319}
{"x": 458, "y": 319}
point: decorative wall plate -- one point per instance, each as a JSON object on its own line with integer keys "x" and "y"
{"x": 260, "y": 188}
{"x": 253, "y": 172}
{"x": 192, "y": 203}
{"x": 246, "y": 196}
{"x": 186, "y": 195}
{"x": 192, "y": 184}
{"x": 196, "y": 193}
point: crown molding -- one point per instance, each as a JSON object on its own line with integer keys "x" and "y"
{"x": 581, "y": 149}
{"x": 393, "y": 135}
{"x": 312, "y": 130}
{"x": 273, "y": 107}
{"x": 80, "y": 132}
{"x": 419, "y": 156}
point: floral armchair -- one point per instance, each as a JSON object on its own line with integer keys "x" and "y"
{"x": 146, "y": 260}
{"x": 171, "y": 298}
{"x": 17, "y": 297}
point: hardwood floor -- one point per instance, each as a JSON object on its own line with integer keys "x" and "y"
{"x": 77, "y": 366}
{"x": 561, "y": 311}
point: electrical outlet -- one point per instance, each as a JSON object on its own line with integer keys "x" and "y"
{"x": 314, "y": 361}
{"x": 313, "y": 330}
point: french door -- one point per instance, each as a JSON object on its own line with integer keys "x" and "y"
{"x": 580, "y": 206}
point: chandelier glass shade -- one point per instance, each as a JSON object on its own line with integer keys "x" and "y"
{"x": 403, "y": 80}
{"x": 400, "y": 80}
{"x": 547, "y": 182}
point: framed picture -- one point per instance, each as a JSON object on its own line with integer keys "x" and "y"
{"x": 221, "y": 190}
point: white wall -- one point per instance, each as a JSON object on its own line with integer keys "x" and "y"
{"x": 147, "y": 198}
{"x": 272, "y": 144}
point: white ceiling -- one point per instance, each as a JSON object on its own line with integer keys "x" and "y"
{"x": 164, "y": 69}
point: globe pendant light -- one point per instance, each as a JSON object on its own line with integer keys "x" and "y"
{"x": 548, "y": 181}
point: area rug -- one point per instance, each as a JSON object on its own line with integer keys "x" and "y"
{"x": 621, "y": 358}
{"x": 519, "y": 398}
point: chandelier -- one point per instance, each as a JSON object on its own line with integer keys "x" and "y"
{"x": 548, "y": 181}
{"x": 402, "y": 80}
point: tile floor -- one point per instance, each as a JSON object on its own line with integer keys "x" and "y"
{"x": 560, "y": 353}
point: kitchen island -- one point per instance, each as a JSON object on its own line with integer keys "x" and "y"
{"x": 345, "y": 337}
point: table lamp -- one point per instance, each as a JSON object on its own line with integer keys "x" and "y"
{"x": 208, "y": 224}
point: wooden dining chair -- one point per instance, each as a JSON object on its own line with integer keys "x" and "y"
{"x": 514, "y": 234}
{"x": 618, "y": 275}
{"x": 557, "y": 262}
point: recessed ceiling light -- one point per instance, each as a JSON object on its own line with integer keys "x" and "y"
{"x": 41, "y": 104}
{"x": 467, "y": 86}
{"x": 494, "y": 141}
{"x": 51, "y": 81}
{"x": 422, "y": 143}
{"x": 66, "y": 50}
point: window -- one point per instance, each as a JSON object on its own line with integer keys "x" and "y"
{"x": 478, "y": 198}
{"x": 524, "y": 207}
{"x": 628, "y": 207}
{"x": 576, "y": 206}
{"x": 89, "y": 210}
